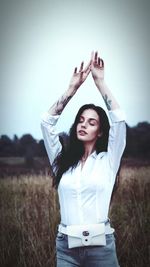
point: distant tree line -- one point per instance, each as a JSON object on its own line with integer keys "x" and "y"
{"x": 25, "y": 146}
{"x": 138, "y": 144}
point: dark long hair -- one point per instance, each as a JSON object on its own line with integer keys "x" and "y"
{"x": 70, "y": 155}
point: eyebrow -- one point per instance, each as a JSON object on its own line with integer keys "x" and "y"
{"x": 89, "y": 118}
{"x": 93, "y": 119}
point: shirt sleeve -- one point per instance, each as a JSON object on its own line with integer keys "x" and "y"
{"x": 117, "y": 138}
{"x": 50, "y": 136}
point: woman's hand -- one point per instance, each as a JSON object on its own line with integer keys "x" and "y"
{"x": 80, "y": 76}
{"x": 77, "y": 79}
{"x": 97, "y": 67}
{"x": 97, "y": 70}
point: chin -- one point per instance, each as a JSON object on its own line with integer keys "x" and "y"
{"x": 81, "y": 138}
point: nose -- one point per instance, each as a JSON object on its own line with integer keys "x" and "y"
{"x": 84, "y": 124}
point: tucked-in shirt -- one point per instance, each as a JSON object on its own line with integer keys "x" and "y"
{"x": 85, "y": 193}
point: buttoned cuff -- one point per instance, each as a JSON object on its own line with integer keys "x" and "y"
{"x": 50, "y": 119}
{"x": 117, "y": 115}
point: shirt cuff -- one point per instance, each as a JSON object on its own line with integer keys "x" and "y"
{"x": 50, "y": 119}
{"x": 117, "y": 115}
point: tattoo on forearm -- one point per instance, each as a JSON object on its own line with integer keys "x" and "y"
{"x": 60, "y": 104}
{"x": 108, "y": 102}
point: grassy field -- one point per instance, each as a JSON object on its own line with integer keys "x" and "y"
{"x": 29, "y": 214}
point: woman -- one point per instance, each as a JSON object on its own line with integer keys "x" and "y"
{"x": 85, "y": 173}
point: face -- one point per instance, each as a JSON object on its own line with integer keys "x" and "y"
{"x": 88, "y": 127}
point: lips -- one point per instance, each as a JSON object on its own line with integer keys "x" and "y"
{"x": 82, "y": 132}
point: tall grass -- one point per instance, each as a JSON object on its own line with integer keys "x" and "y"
{"x": 130, "y": 213}
{"x": 28, "y": 220}
{"x": 29, "y": 214}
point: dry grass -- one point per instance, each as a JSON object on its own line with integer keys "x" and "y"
{"x": 29, "y": 215}
{"x": 130, "y": 212}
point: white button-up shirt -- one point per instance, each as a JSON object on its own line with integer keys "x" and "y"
{"x": 85, "y": 193}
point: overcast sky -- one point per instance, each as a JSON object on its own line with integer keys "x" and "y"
{"x": 42, "y": 42}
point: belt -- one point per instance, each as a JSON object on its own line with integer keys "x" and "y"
{"x": 108, "y": 229}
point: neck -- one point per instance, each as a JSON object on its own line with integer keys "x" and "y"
{"x": 88, "y": 150}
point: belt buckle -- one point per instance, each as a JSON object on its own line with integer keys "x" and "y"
{"x": 85, "y": 233}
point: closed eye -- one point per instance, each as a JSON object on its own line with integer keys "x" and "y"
{"x": 81, "y": 119}
{"x": 93, "y": 122}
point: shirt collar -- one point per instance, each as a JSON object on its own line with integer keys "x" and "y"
{"x": 94, "y": 154}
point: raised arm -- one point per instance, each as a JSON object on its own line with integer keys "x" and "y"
{"x": 49, "y": 120}
{"x": 97, "y": 69}
{"x": 117, "y": 133}
{"x": 77, "y": 79}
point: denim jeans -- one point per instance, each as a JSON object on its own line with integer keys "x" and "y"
{"x": 88, "y": 256}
